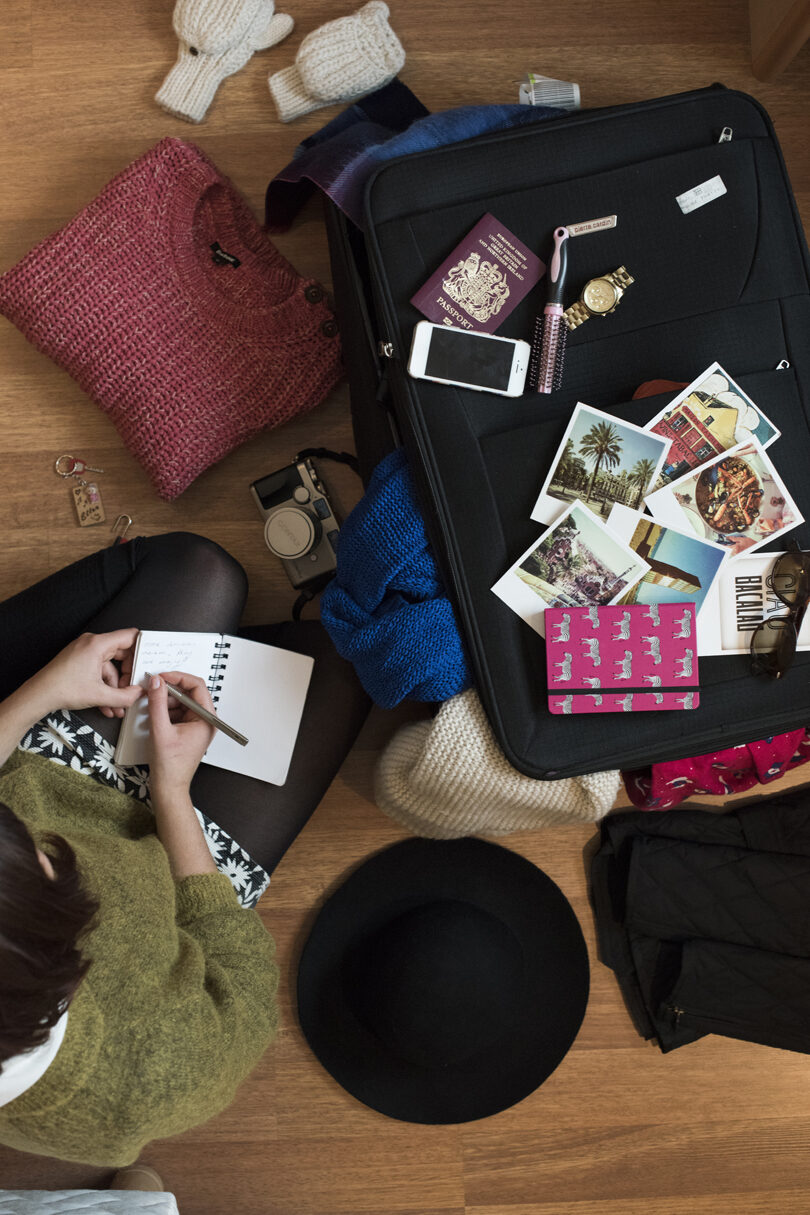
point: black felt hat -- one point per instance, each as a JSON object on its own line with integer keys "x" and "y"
{"x": 443, "y": 981}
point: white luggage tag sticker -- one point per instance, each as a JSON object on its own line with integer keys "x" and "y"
{"x": 698, "y": 196}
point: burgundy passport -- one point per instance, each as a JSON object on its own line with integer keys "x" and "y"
{"x": 482, "y": 280}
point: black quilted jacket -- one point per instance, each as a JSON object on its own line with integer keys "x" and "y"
{"x": 705, "y": 918}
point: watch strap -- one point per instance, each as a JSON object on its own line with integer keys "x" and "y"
{"x": 621, "y": 277}
{"x": 576, "y": 315}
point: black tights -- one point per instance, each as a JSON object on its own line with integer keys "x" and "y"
{"x": 182, "y": 581}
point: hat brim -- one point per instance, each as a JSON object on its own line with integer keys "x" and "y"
{"x": 554, "y": 995}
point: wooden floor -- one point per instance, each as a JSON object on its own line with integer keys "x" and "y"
{"x": 717, "y": 1128}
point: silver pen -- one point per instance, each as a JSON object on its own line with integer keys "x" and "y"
{"x": 189, "y": 703}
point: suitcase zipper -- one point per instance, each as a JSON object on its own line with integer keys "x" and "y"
{"x": 726, "y": 135}
{"x": 385, "y": 349}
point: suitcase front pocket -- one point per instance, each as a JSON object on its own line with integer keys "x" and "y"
{"x": 682, "y": 262}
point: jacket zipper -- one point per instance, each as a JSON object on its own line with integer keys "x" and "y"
{"x": 733, "y": 1027}
{"x": 677, "y": 1013}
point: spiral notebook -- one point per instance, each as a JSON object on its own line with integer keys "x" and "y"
{"x": 258, "y": 689}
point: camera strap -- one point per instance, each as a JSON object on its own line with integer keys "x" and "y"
{"x": 340, "y": 457}
{"x": 309, "y": 593}
{"x": 323, "y": 453}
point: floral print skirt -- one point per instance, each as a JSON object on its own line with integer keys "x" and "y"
{"x": 64, "y": 738}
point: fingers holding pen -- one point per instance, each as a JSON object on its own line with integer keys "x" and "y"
{"x": 159, "y": 711}
{"x": 191, "y": 685}
{"x": 197, "y": 701}
{"x": 179, "y": 737}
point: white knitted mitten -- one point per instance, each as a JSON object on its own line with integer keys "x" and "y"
{"x": 217, "y": 38}
{"x": 340, "y": 61}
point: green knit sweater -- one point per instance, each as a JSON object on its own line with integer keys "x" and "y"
{"x": 179, "y": 1001}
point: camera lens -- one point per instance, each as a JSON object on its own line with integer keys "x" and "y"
{"x": 291, "y": 533}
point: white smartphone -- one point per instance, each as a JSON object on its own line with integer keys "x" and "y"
{"x": 470, "y": 360}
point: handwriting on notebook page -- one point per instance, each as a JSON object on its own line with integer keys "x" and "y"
{"x": 159, "y": 655}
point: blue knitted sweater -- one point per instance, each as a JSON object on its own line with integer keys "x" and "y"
{"x": 386, "y": 610}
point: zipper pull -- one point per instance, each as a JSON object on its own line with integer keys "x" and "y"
{"x": 385, "y": 349}
{"x": 677, "y": 1013}
{"x": 783, "y": 366}
{"x": 726, "y": 135}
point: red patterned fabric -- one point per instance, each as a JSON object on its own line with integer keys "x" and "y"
{"x": 188, "y": 355}
{"x": 662, "y": 786}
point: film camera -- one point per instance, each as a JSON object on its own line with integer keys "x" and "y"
{"x": 299, "y": 525}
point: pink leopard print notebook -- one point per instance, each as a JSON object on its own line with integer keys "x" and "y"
{"x": 622, "y": 659}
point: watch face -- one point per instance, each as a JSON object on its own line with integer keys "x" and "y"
{"x": 599, "y": 295}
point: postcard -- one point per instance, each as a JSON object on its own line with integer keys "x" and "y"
{"x": 742, "y": 597}
{"x": 601, "y": 460}
{"x": 738, "y": 500}
{"x": 710, "y": 415}
{"x": 482, "y": 280}
{"x": 682, "y": 569}
{"x": 577, "y": 562}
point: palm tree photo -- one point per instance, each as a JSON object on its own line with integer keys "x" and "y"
{"x": 641, "y": 474}
{"x": 602, "y": 446}
{"x": 601, "y": 461}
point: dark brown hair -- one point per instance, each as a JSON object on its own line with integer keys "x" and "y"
{"x": 42, "y": 920}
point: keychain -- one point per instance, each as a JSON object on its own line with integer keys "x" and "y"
{"x": 86, "y": 495}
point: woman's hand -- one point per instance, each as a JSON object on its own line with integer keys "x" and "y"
{"x": 82, "y": 676}
{"x": 178, "y": 741}
{"x": 178, "y": 737}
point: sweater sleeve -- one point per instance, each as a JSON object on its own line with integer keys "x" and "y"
{"x": 230, "y": 936}
{"x": 202, "y": 894}
{"x": 218, "y": 1007}
{"x": 236, "y": 951}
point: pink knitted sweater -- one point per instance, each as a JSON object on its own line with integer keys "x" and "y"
{"x": 172, "y": 309}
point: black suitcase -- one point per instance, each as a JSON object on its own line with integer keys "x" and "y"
{"x": 726, "y": 282}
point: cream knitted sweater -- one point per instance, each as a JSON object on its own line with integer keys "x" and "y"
{"x": 448, "y": 778}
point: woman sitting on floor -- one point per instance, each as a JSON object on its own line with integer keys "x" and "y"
{"x": 136, "y": 992}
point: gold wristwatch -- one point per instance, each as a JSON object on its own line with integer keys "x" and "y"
{"x": 599, "y": 297}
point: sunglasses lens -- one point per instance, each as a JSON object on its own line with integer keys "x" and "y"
{"x": 773, "y": 645}
{"x": 789, "y": 578}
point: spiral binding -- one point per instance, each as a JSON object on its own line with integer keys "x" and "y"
{"x": 218, "y": 665}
